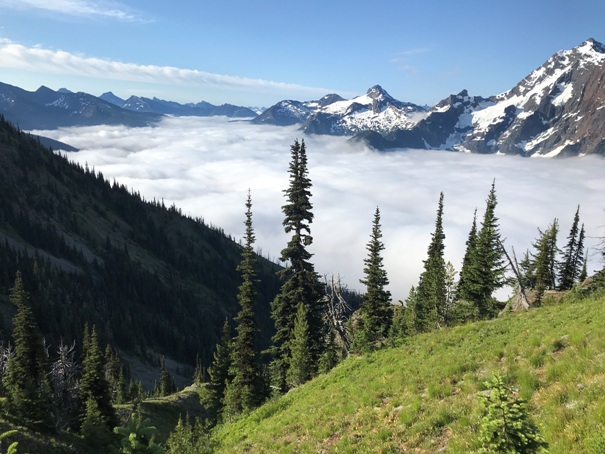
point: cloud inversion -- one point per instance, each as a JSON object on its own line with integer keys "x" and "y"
{"x": 206, "y": 165}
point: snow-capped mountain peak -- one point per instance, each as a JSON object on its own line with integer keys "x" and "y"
{"x": 558, "y": 109}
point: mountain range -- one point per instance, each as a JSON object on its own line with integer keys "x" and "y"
{"x": 50, "y": 109}
{"x": 557, "y": 110}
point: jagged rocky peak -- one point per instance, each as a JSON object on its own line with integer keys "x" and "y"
{"x": 592, "y": 44}
{"x": 377, "y": 92}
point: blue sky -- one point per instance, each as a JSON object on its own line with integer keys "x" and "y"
{"x": 258, "y": 52}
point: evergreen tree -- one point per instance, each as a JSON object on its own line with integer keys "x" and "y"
{"x": 470, "y": 254}
{"x": 188, "y": 438}
{"x": 93, "y": 385}
{"x": 245, "y": 390}
{"x": 114, "y": 374}
{"x": 167, "y": 385}
{"x": 375, "y": 313}
{"x": 29, "y": 397}
{"x": 301, "y": 283}
{"x": 430, "y": 293}
{"x": 485, "y": 271}
{"x": 506, "y": 426}
{"x": 542, "y": 269}
{"x": 299, "y": 370}
{"x": 570, "y": 267}
{"x": 219, "y": 375}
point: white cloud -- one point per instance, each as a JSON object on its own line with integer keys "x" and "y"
{"x": 81, "y": 8}
{"x": 44, "y": 61}
{"x": 206, "y": 165}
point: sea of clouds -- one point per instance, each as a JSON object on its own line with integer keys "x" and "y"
{"x": 205, "y": 166}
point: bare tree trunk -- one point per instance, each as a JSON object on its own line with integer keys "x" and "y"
{"x": 521, "y": 302}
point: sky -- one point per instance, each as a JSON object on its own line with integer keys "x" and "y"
{"x": 205, "y": 166}
{"x": 256, "y": 53}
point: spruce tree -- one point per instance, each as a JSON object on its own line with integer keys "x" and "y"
{"x": 26, "y": 380}
{"x": 542, "y": 269}
{"x": 220, "y": 375}
{"x": 431, "y": 292}
{"x": 300, "y": 367}
{"x": 245, "y": 390}
{"x": 375, "y": 313}
{"x": 569, "y": 267}
{"x": 485, "y": 271}
{"x": 462, "y": 292}
{"x": 300, "y": 282}
{"x": 94, "y": 385}
{"x": 167, "y": 385}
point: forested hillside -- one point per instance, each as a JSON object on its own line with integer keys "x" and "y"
{"x": 91, "y": 251}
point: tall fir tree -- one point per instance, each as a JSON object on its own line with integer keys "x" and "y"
{"x": 375, "y": 313}
{"x": 469, "y": 256}
{"x": 301, "y": 283}
{"x": 245, "y": 390}
{"x": 26, "y": 380}
{"x": 568, "y": 267}
{"x": 94, "y": 386}
{"x": 220, "y": 375}
{"x": 542, "y": 268}
{"x": 431, "y": 292}
{"x": 486, "y": 266}
{"x": 167, "y": 385}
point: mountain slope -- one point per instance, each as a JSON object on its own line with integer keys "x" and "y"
{"x": 151, "y": 280}
{"x": 423, "y": 396}
{"x": 557, "y": 110}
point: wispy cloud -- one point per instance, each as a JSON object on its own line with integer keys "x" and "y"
{"x": 81, "y": 8}
{"x": 402, "y": 60}
{"x": 206, "y": 165}
{"x": 40, "y": 60}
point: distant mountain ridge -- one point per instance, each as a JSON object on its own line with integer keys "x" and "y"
{"x": 49, "y": 109}
{"x": 375, "y": 111}
{"x": 159, "y": 106}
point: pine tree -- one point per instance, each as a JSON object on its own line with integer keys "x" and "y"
{"x": 375, "y": 313}
{"x": 485, "y": 271}
{"x": 430, "y": 293}
{"x": 114, "y": 374}
{"x": 245, "y": 390}
{"x": 219, "y": 375}
{"x": 93, "y": 385}
{"x": 569, "y": 267}
{"x": 301, "y": 283}
{"x": 29, "y": 397}
{"x": 300, "y": 367}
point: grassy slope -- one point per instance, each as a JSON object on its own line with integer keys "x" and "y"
{"x": 422, "y": 396}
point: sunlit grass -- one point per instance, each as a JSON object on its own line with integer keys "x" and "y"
{"x": 422, "y": 396}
